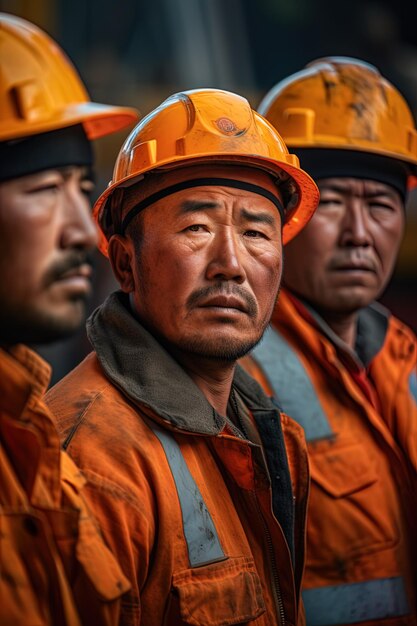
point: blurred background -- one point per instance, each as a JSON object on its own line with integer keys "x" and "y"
{"x": 138, "y": 52}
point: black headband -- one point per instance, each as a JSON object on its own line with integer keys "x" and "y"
{"x": 56, "y": 148}
{"x": 200, "y": 182}
{"x": 335, "y": 163}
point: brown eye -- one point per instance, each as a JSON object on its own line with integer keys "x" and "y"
{"x": 47, "y": 188}
{"x": 330, "y": 201}
{"x": 254, "y": 233}
{"x": 383, "y": 206}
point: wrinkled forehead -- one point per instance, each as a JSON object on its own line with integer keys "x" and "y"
{"x": 355, "y": 186}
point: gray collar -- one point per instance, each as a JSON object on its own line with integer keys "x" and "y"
{"x": 143, "y": 370}
{"x": 371, "y": 332}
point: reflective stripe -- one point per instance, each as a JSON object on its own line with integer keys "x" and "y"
{"x": 356, "y": 602}
{"x": 200, "y": 533}
{"x": 413, "y": 385}
{"x": 294, "y": 391}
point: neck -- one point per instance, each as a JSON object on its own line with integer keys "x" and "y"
{"x": 343, "y": 325}
{"x": 213, "y": 378}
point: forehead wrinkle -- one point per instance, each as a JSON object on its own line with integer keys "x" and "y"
{"x": 190, "y": 206}
{"x": 259, "y": 216}
{"x": 362, "y": 187}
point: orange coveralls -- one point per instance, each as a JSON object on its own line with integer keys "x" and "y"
{"x": 360, "y": 421}
{"x": 55, "y": 569}
{"x": 185, "y": 500}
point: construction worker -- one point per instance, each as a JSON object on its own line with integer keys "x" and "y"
{"x": 55, "y": 568}
{"x": 336, "y": 361}
{"x": 167, "y": 431}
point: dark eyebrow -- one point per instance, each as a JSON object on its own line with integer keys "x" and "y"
{"x": 200, "y": 205}
{"x": 188, "y": 206}
{"x": 260, "y": 217}
{"x": 86, "y": 171}
{"x": 382, "y": 192}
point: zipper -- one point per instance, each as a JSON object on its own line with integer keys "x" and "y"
{"x": 279, "y": 605}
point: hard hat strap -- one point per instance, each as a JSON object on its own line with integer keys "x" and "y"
{"x": 201, "y": 182}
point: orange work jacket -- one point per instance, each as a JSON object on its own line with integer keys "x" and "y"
{"x": 360, "y": 421}
{"x": 208, "y": 525}
{"x": 55, "y": 569}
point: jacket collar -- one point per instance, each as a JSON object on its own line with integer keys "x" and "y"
{"x": 372, "y": 328}
{"x": 142, "y": 369}
{"x": 24, "y": 377}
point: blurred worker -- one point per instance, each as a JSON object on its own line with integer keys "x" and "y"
{"x": 167, "y": 431}
{"x": 338, "y": 363}
{"x": 54, "y": 566}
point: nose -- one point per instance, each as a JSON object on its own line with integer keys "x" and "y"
{"x": 79, "y": 229}
{"x": 225, "y": 261}
{"x": 355, "y": 227}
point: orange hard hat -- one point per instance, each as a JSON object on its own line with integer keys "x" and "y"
{"x": 41, "y": 91}
{"x": 339, "y": 102}
{"x": 209, "y": 125}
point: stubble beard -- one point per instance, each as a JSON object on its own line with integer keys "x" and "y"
{"x": 32, "y": 326}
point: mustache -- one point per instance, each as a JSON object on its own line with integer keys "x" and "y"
{"x": 222, "y": 289}
{"x": 354, "y": 256}
{"x": 73, "y": 260}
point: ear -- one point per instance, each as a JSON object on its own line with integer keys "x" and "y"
{"x": 121, "y": 255}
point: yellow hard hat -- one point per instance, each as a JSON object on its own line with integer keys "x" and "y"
{"x": 41, "y": 90}
{"x": 209, "y": 125}
{"x": 339, "y": 102}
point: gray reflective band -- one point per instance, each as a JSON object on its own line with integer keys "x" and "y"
{"x": 293, "y": 389}
{"x": 413, "y": 385}
{"x": 356, "y": 602}
{"x": 200, "y": 533}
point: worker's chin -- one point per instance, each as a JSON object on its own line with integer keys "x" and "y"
{"x": 42, "y": 325}
{"x": 350, "y": 300}
{"x": 218, "y": 347}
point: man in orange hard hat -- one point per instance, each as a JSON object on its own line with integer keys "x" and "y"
{"x": 204, "y": 514}
{"x": 336, "y": 361}
{"x": 55, "y": 568}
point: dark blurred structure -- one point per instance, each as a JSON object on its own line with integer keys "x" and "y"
{"x": 137, "y": 52}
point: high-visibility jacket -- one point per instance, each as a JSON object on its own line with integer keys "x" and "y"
{"x": 55, "y": 569}
{"x": 204, "y": 521}
{"x": 360, "y": 419}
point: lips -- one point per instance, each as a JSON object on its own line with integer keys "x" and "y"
{"x": 75, "y": 281}
{"x": 224, "y": 302}
{"x": 81, "y": 271}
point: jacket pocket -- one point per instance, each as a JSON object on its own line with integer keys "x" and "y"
{"x": 342, "y": 471}
{"x": 220, "y": 594}
{"x": 352, "y": 511}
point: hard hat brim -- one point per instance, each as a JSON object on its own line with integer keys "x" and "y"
{"x": 98, "y": 120}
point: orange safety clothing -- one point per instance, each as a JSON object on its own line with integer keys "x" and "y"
{"x": 205, "y": 521}
{"x": 55, "y": 569}
{"x": 360, "y": 421}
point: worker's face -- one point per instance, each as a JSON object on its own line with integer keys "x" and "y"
{"x": 46, "y": 232}
{"x": 345, "y": 256}
{"x": 207, "y": 272}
